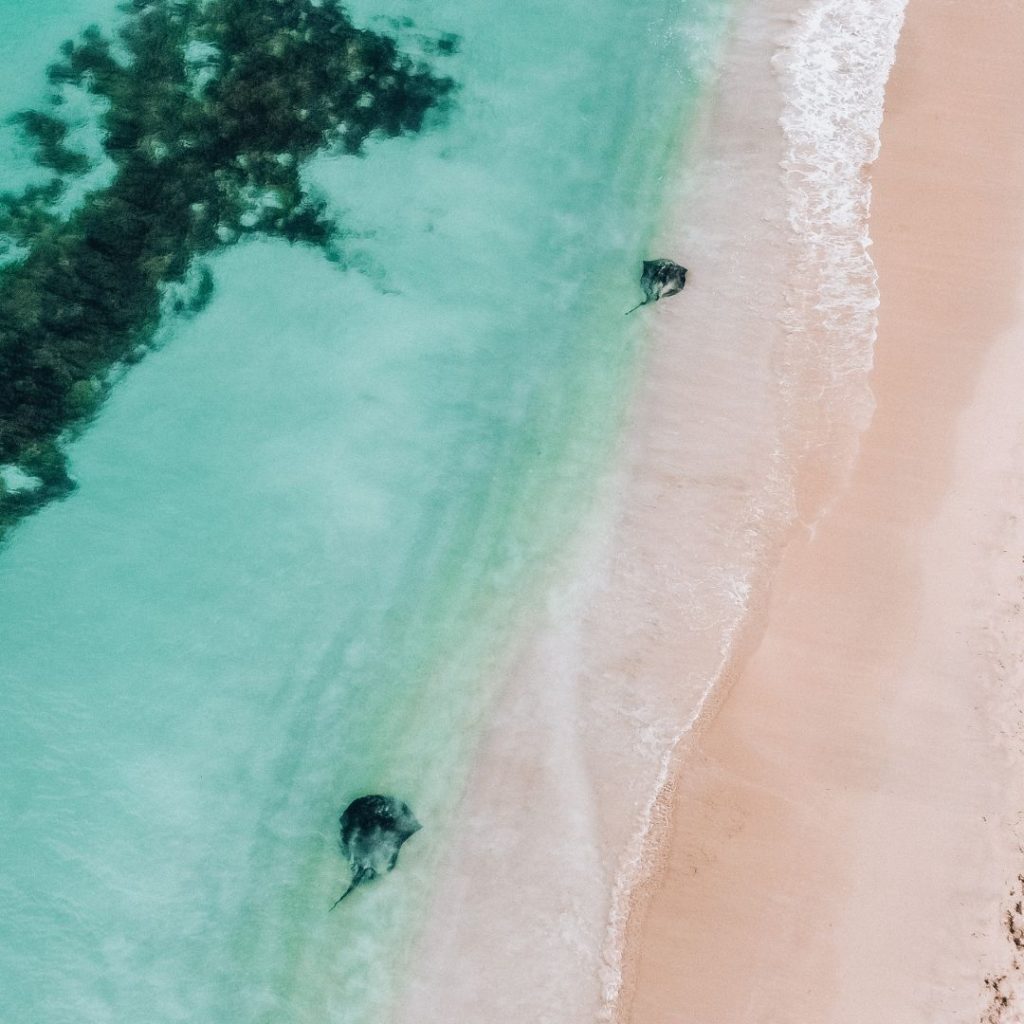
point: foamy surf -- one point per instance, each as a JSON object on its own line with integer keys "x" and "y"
{"x": 833, "y": 69}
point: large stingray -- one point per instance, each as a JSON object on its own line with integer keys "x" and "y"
{"x": 659, "y": 280}
{"x": 373, "y": 829}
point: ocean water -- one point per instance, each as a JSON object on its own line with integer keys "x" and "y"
{"x": 308, "y": 523}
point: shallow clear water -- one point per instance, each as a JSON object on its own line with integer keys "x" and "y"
{"x": 304, "y": 525}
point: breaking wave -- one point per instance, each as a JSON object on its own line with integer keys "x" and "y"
{"x": 833, "y": 69}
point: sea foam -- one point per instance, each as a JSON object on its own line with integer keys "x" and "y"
{"x": 833, "y": 69}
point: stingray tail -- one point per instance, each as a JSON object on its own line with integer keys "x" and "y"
{"x": 361, "y": 875}
{"x": 637, "y": 306}
{"x": 342, "y": 896}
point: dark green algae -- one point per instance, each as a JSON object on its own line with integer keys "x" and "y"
{"x": 210, "y": 110}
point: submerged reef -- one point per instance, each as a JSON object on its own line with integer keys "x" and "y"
{"x": 210, "y": 108}
{"x": 373, "y": 829}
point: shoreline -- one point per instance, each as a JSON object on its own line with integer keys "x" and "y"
{"x": 625, "y": 644}
{"x": 866, "y": 750}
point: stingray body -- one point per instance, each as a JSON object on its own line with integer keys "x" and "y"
{"x": 659, "y": 280}
{"x": 373, "y": 829}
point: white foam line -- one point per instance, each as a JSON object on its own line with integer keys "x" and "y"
{"x": 634, "y": 865}
{"x": 834, "y": 68}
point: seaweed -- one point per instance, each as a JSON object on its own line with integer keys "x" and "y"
{"x": 211, "y": 108}
{"x": 48, "y": 133}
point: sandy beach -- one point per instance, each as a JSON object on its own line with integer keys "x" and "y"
{"x": 845, "y": 829}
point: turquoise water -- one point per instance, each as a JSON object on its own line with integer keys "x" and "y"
{"x": 306, "y": 525}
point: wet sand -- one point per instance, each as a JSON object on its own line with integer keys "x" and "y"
{"x": 845, "y": 832}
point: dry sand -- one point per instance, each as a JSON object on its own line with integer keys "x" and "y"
{"x": 845, "y": 835}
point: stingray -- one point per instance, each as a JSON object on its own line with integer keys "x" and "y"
{"x": 659, "y": 280}
{"x": 373, "y": 829}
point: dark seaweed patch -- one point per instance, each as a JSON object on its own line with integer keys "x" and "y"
{"x": 48, "y": 134}
{"x": 211, "y": 109}
{"x": 446, "y": 44}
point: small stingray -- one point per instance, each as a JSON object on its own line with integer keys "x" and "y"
{"x": 373, "y": 829}
{"x": 660, "y": 279}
